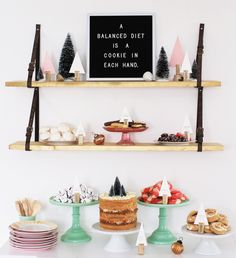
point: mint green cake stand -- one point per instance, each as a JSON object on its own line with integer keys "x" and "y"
{"x": 162, "y": 235}
{"x": 75, "y": 234}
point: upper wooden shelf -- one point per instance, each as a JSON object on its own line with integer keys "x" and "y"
{"x": 115, "y": 84}
{"x": 37, "y": 146}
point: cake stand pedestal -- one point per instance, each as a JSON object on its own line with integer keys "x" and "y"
{"x": 162, "y": 235}
{"x": 125, "y": 138}
{"x": 117, "y": 242}
{"x": 75, "y": 234}
{"x": 207, "y": 245}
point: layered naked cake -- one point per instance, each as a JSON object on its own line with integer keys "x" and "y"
{"x": 118, "y": 209}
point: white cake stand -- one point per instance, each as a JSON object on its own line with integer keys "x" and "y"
{"x": 207, "y": 245}
{"x": 117, "y": 242}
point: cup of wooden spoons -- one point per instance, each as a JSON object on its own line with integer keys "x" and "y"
{"x": 27, "y": 209}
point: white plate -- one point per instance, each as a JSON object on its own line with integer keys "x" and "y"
{"x": 96, "y": 228}
{"x": 205, "y": 235}
{"x": 172, "y": 143}
{"x": 34, "y": 226}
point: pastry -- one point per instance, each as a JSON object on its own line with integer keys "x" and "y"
{"x": 207, "y": 229}
{"x": 219, "y": 228}
{"x": 118, "y": 124}
{"x": 118, "y": 209}
{"x": 212, "y": 215}
{"x": 192, "y": 216}
{"x": 223, "y": 219}
{"x": 192, "y": 227}
{"x": 218, "y": 223}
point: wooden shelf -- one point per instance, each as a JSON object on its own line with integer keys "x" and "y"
{"x": 37, "y": 146}
{"x": 115, "y": 84}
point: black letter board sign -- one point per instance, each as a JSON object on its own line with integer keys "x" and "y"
{"x": 120, "y": 47}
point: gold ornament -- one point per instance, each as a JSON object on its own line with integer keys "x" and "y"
{"x": 177, "y": 247}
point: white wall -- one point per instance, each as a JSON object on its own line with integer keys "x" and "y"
{"x": 207, "y": 177}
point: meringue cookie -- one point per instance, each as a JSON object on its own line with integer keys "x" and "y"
{"x": 44, "y": 136}
{"x": 64, "y": 127}
{"x": 54, "y": 130}
{"x": 44, "y": 129}
{"x": 55, "y": 137}
{"x": 68, "y": 136}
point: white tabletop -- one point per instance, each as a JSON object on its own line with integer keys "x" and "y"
{"x": 94, "y": 249}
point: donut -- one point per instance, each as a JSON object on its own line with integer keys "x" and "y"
{"x": 191, "y": 217}
{"x": 219, "y": 228}
{"x": 192, "y": 227}
{"x": 212, "y": 215}
{"x": 223, "y": 219}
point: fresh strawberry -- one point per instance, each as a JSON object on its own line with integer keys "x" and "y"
{"x": 184, "y": 197}
{"x": 177, "y": 195}
{"x": 146, "y": 190}
{"x": 154, "y": 201}
{"x": 144, "y": 197}
{"x": 155, "y": 191}
{"x": 174, "y": 201}
{"x": 149, "y": 199}
{"x": 174, "y": 191}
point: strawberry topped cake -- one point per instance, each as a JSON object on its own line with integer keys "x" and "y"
{"x": 151, "y": 195}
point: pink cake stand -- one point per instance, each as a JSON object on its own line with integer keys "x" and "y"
{"x": 125, "y": 137}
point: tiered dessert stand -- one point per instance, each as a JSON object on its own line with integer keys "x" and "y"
{"x": 117, "y": 242}
{"x": 75, "y": 234}
{"x": 207, "y": 245}
{"x": 162, "y": 235}
{"x": 125, "y": 138}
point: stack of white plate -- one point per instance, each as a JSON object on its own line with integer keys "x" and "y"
{"x": 33, "y": 235}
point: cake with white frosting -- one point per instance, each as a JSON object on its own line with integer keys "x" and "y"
{"x": 118, "y": 209}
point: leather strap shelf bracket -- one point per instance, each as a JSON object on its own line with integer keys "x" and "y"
{"x": 199, "y": 126}
{"x": 34, "y": 65}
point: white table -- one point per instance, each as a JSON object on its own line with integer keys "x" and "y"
{"x": 95, "y": 249}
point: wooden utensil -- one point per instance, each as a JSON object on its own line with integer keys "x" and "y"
{"x": 30, "y": 211}
{"x": 19, "y": 208}
{"x": 25, "y": 206}
{"x": 36, "y": 208}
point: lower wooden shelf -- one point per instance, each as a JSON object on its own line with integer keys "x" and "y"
{"x": 38, "y": 146}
